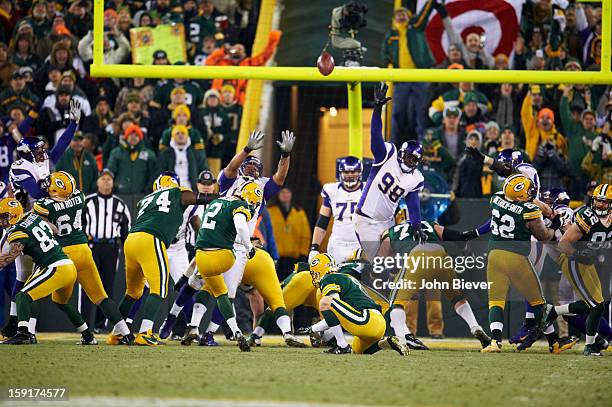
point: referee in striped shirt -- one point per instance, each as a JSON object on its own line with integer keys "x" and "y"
{"x": 106, "y": 223}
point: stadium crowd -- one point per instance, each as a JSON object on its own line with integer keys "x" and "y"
{"x": 564, "y": 130}
{"x": 137, "y": 128}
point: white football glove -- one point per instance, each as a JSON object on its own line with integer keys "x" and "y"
{"x": 255, "y": 141}
{"x": 287, "y": 144}
{"x": 75, "y": 110}
{"x": 311, "y": 255}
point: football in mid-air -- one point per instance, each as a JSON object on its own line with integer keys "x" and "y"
{"x": 326, "y": 63}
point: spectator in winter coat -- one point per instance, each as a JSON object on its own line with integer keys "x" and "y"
{"x": 133, "y": 164}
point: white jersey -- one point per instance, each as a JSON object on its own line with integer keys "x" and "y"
{"x": 530, "y": 171}
{"x": 267, "y": 194}
{"x": 386, "y": 185}
{"x": 24, "y": 169}
{"x": 188, "y": 213}
{"x": 343, "y": 204}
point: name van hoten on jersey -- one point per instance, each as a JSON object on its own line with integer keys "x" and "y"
{"x": 77, "y": 200}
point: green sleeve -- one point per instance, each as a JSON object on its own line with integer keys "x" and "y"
{"x": 113, "y": 160}
{"x": 330, "y": 284}
{"x": 569, "y": 126}
{"x": 165, "y": 137}
{"x": 152, "y": 170}
{"x": 385, "y": 52}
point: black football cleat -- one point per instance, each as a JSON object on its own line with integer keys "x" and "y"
{"x": 479, "y": 333}
{"x": 415, "y": 343}
{"x": 339, "y": 350}
{"x": 563, "y": 344}
{"x": 395, "y": 344}
{"x": 21, "y": 338}
{"x": 316, "y": 340}
{"x": 242, "y": 342}
{"x": 533, "y": 334}
{"x": 10, "y": 329}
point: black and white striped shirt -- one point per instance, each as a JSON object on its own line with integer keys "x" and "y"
{"x": 107, "y": 217}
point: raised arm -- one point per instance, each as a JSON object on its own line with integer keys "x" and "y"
{"x": 377, "y": 142}
{"x": 64, "y": 140}
{"x": 286, "y": 145}
{"x": 255, "y": 142}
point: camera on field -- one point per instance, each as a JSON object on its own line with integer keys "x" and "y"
{"x": 345, "y": 24}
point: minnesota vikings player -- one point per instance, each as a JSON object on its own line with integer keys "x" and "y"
{"x": 394, "y": 175}
{"x": 340, "y": 200}
{"x": 244, "y": 167}
{"x": 28, "y": 177}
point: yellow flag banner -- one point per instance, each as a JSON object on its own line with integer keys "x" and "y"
{"x": 169, "y": 38}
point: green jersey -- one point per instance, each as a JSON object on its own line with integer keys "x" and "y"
{"x": 66, "y": 216}
{"x": 509, "y": 229}
{"x": 401, "y": 237}
{"x": 349, "y": 290}
{"x": 37, "y": 238}
{"x": 591, "y": 227}
{"x": 217, "y": 230}
{"x": 160, "y": 214}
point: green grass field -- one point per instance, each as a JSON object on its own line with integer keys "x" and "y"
{"x": 452, "y": 373}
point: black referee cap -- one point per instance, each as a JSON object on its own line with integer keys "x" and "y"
{"x": 206, "y": 177}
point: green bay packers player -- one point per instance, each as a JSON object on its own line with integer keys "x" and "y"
{"x": 55, "y": 273}
{"x": 580, "y": 243}
{"x": 434, "y": 267}
{"x": 225, "y": 221}
{"x": 344, "y": 304}
{"x": 64, "y": 209}
{"x": 297, "y": 290}
{"x": 514, "y": 219}
{"x": 159, "y": 218}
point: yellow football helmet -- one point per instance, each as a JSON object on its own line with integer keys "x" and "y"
{"x": 519, "y": 187}
{"x": 11, "y": 211}
{"x": 601, "y": 201}
{"x": 320, "y": 265}
{"x": 251, "y": 193}
{"x": 166, "y": 180}
{"x": 61, "y": 185}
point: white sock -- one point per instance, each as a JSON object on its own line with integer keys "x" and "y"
{"x": 327, "y": 335}
{"x": 121, "y": 328}
{"x": 284, "y": 323}
{"x": 465, "y": 311}
{"x": 175, "y": 310}
{"x": 80, "y": 329}
{"x": 32, "y": 325}
{"x": 146, "y": 325}
{"x": 549, "y": 330}
{"x": 529, "y": 315}
{"x": 398, "y": 323}
{"x": 562, "y": 309}
{"x": 496, "y": 325}
{"x": 197, "y": 314}
{"x": 233, "y": 325}
{"x": 22, "y": 324}
{"x": 590, "y": 339}
{"x": 129, "y": 320}
{"x": 13, "y": 312}
{"x": 259, "y": 331}
{"x": 212, "y": 327}
{"x": 320, "y": 326}
{"x": 339, "y": 335}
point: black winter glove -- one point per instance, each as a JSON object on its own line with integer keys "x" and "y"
{"x": 380, "y": 96}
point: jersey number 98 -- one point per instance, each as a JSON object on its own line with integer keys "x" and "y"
{"x": 388, "y": 187}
